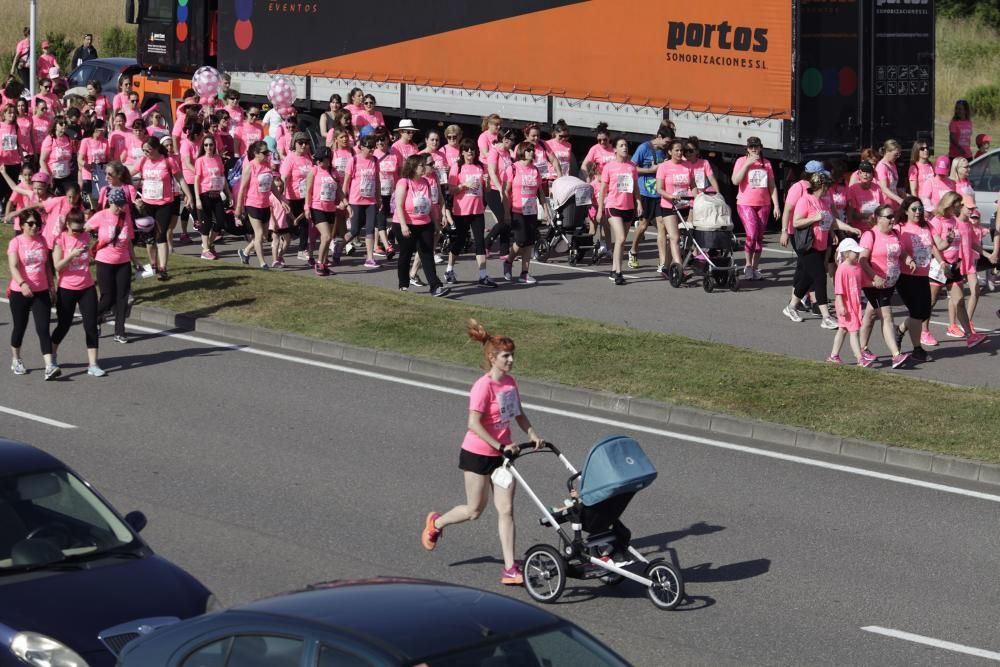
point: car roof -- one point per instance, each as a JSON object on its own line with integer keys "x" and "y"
{"x": 415, "y": 617}
{"x": 114, "y": 62}
{"x": 17, "y": 458}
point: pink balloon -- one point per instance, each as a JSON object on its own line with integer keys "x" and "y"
{"x": 206, "y": 81}
{"x": 281, "y": 91}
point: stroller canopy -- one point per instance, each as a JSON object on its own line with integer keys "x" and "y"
{"x": 614, "y": 466}
{"x": 711, "y": 213}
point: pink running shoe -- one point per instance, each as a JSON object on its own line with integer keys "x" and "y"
{"x": 974, "y": 339}
{"x": 866, "y": 355}
{"x": 955, "y": 331}
{"x": 834, "y": 359}
{"x": 512, "y": 576}
{"x": 430, "y": 535}
{"x": 927, "y": 339}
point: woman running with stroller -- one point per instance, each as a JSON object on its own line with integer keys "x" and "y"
{"x": 494, "y": 403}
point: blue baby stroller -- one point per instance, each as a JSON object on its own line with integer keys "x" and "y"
{"x": 595, "y": 545}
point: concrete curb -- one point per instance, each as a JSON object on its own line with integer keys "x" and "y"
{"x": 666, "y": 413}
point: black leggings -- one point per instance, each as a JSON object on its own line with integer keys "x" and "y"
{"x": 502, "y": 229}
{"x": 810, "y": 273}
{"x": 66, "y": 302}
{"x": 161, "y": 213}
{"x": 382, "y": 216}
{"x": 421, "y": 239}
{"x": 463, "y": 223}
{"x": 363, "y": 215}
{"x": 38, "y": 306}
{"x": 299, "y": 222}
{"x": 115, "y": 281}
{"x": 213, "y": 213}
{"x": 13, "y": 170}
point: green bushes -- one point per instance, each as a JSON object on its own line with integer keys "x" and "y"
{"x": 986, "y": 11}
{"x": 117, "y": 42}
{"x": 62, "y": 49}
{"x": 985, "y": 101}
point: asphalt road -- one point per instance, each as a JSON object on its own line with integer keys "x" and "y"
{"x": 750, "y": 318}
{"x": 261, "y": 475}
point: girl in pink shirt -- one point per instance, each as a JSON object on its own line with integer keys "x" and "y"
{"x": 256, "y": 184}
{"x": 886, "y": 175}
{"x": 211, "y": 192}
{"x": 948, "y": 274}
{"x": 325, "y": 198}
{"x": 960, "y": 131}
{"x": 363, "y": 195}
{"x": 156, "y": 173}
{"x": 389, "y": 164}
{"x": 413, "y": 225}
{"x": 132, "y": 151}
{"x": 522, "y": 195}
{"x": 970, "y": 248}
{"x": 921, "y": 172}
{"x": 757, "y": 199}
{"x": 115, "y": 261}
{"x": 95, "y": 152}
{"x": 619, "y": 196}
{"x": 601, "y": 152}
{"x": 10, "y": 149}
{"x": 494, "y": 402}
{"x": 343, "y": 155}
{"x": 673, "y": 180}
{"x": 467, "y": 182}
{"x": 25, "y": 130}
{"x": 847, "y": 302}
{"x": 490, "y": 133}
{"x": 881, "y": 261}
{"x": 71, "y": 259}
{"x": 22, "y": 194}
{"x": 29, "y": 292}
{"x": 294, "y": 170}
{"x": 545, "y": 160}
{"x": 57, "y": 155}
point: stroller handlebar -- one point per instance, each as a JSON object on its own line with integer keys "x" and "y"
{"x": 527, "y": 448}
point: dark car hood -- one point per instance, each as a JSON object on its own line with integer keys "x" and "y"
{"x": 74, "y": 606}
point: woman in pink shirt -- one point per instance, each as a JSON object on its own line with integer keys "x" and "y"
{"x": 601, "y": 152}
{"x": 10, "y": 148}
{"x": 971, "y": 248}
{"x": 494, "y": 402}
{"x": 864, "y": 198}
{"x": 25, "y": 130}
{"x": 57, "y": 156}
{"x": 921, "y": 172}
{"x": 940, "y": 183}
{"x": 132, "y": 150}
{"x": 248, "y": 132}
{"x": 95, "y": 152}
{"x": 467, "y": 183}
{"x": 113, "y": 255}
{"x": 405, "y": 145}
{"x": 546, "y": 162}
{"x": 355, "y": 103}
{"x": 913, "y": 286}
{"x": 156, "y": 172}
{"x": 120, "y": 100}
{"x": 619, "y": 196}
{"x": 71, "y": 259}
{"x": 452, "y": 150}
{"x": 882, "y": 260}
{"x": 756, "y": 201}
{"x": 178, "y": 210}
{"x": 41, "y": 123}
{"x": 960, "y": 131}
{"x": 413, "y": 225}
{"x": 522, "y": 195}
{"x": 254, "y": 197}
{"x": 325, "y": 198}
{"x": 369, "y": 116}
{"x": 294, "y": 170}
{"x": 701, "y": 169}
{"x": 947, "y": 233}
{"x": 673, "y": 181}
{"x": 490, "y": 134}
{"x": 211, "y": 192}
{"x": 560, "y": 146}
{"x": 363, "y": 195}
{"x": 343, "y": 155}
{"x": 389, "y": 164}
{"x": 886, "y": 174}
{"x": 29, "y": 292}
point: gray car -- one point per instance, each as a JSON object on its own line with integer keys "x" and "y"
{"x": 984, "y": 175}
{"x": 108, "y": 71}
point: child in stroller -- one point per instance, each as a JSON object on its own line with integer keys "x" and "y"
{"x": 571, "y": 200}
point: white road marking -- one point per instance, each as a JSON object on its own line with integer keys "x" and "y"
{"x": 37, "y": 418}
{"x": 710, "y": 442}
{"x": 930, "y": 641}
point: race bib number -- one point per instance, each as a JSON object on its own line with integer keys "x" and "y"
{"x": 366, "y": 186}
{"x": 264, "y": 182}
{"x": 60, "y": 170}
{"x": 624, "y": 183}
{"x": 826, "y": 220}
{"x": 328, "y": 190}
{"x": 385, "y": 186}
{"x": 529, "y": 205}
{"x": 472, "y": 185}
{"x": 921, "y": 252}
{"x": 699, "y": 179}
{"x": 584, "y": 196}
{"x": 543, "y": 167}
{"x": 421, "y": 204}
{"x": 98, "y": 156}
{"x": 564, "y": 166}
{"x": 9, "y": 142}
{"x": 510, "y": 406}
{"x": 216, "y": 183}
{"x": 442, "y": 174}
{"x": 340, "y": 164}
{"x": 868, "y": 208}
{"x": 758, "y": 178}
{"x": 301, "y": 189}
{"x": 152, "y": 189}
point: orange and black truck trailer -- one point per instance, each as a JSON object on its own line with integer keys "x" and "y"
{"x": 811, "y": 78}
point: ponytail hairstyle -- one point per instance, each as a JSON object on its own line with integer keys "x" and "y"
{"x": 559, "y": 127}
{"x": 492, "y": 118}
{"x": 532, "y": 126}
{"x": 891, "y": 145}
{"x": 602, "y": 128}
{"x": 957, "y": 164}
{"x": 491, "y": 344}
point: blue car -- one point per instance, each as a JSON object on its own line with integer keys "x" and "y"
{"x": 72, "y": 568}
{"x": 375, "y": 622}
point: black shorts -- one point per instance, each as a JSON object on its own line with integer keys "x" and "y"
{"x": 651, "y": 208}
{"x": 879, "y": 297}
{"x": 175, "y": 207}
{"x": 525, "y": 229}
{"x": 478, "y": 463}
{"x": 915, "y": 291}
{"x": 263, "y": 215}
{"x": 627, "y": 215}
{"x": 323, "y": 217}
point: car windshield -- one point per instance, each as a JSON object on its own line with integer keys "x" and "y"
{"x": 561, "y": 647}
{"x": 52, "y": 517}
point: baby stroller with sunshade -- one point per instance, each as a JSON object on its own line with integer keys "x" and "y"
{"x": 593, "y": 542}
{"x": 707, "y": 243}
{"x": 571, "y": 198}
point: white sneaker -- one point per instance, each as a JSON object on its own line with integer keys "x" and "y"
{"x": 17, "y": 366}
{"x": 791, "y": 314}
{"x": 438, "y": 259}
{"x": 528, "y": 279}
{"x": 829, "y": 323}
{"x": 757, "y": 275}
{"x": 748, "y": 272}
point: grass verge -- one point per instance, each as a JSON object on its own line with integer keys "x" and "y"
{"x": 846, "y": 401}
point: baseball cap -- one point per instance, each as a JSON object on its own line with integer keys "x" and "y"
{"x": 300, "y": 136}
{"x": 848, "y": 245}
{"x": 866, "y": 167}
{"x": 116, "y": 196}
{"x": 942, "y": 165}
{"x": 983, "y": 139}
{"x": 814, "y": 167}
{"x": 41, "y": 177}
{"x": 45, "y": 44}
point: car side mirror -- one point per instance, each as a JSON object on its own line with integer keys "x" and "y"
{"x": 136, "y": 520}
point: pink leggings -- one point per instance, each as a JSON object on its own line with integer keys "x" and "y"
{"x": 754, "y": 223}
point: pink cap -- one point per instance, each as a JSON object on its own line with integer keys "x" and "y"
{"x": 942, "y": 165}
{"x": 41, "y": 177}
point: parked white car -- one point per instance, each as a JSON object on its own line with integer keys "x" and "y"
{"x": 984, "y": 175}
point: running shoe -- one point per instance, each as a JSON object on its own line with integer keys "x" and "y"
{"x": 244, "y": 257}
{"x": 17, "y": 366}
{"x": 954, "y": 331}
{"x": 611, "y": 276}
{"x": 748, "y": 272}
{"x": 974, "y": 339}
{"x": 486, "y": 281}
{"x": 900, "y": 359}
{"x": 96, "y": 372}
{"x": 757, "y": 275}
{"x": 303, "y": 255}
{"x": 321, "y": 270}
{"x": 834, "y": 359}
{"x": 278, "y": 264}
{"x": 619, "y": 278}
{"x": 865, "y": 362}
{"x": 449, "y": 277}
{"x": 919, "y": 354}
{"x": 440, "y": 290}
{"x": 120, "y": 339}
{"x": 52, "y": 372}
{"x": 633, "y": 260}
{"x": 265, "y": 266}
{"x": 208, "y": 254}
{"x": 430, "y": 535}
{"x": 162, "y": 276}
{"x": 791, "y": 314}
{"x": 512, "y": 576}
{"x": 528, "y": 279}
{"x": 390, "y": 251}
{"x": 866, "y": 354}
{"x": 829, "y": 323}
{"x": 972, "y": 327}
{"x": 927, "y": 339}
{"x": 371, "y": 264}
{"x": 438, "y": 259}
{"x": 508, "y": 271}
{"x": 404, "y": 289}
{"x": 415, "y": 282}
{"x": 379, "y": 252}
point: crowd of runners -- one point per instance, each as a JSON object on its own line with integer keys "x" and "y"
{"x": 114, "y": 184}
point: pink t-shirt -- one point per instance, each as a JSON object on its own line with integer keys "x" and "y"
{"x": 341, "y": 158}
{"x": 962, "y": 128}
{"x": 54, "y": 211}
{"x": 294, "y": 170}
{"x": 865, "y": 201}
{"x": 501, "y": 161}
{"x": 406, "y": 150}
{"x": 325, "y": 188}
{"x": 621, "y": 180}
{"x": 964, "y": 188}
{"x": 25, "y": 135}
{"x": 235, "y": 113}
{"x": 10, "y": 152}
{"x": 417, "y": 204}
{"x": 676, "y": 178}
{"x": 119, "y": 101}
{"x": 132, "y": 152}
{"x": 468, "y": 201}
{"x": 33, "y": 260}
{"x": 389, "y": 165}
{"x": 563, "y": 151}
{"x": 452, "y": 155}
{"x": 600, "y": 155}
{"x": 792, "y": 197}
{"x": 969, "y": 236}
{"x": 94, "y": 152}
{"x": 808, "y": 206}
{"x": 373, "y": 118}
{"x": 884, "y": 255}
{"x": 279, "y": 216}
{"x": 76, "y": 274}
{"x": 114, "y": 249}
{"x": 756, "y": 183}
{"x": 886, "y": 174}
{"x": 847, "y": 283}
{"x": 701, "y": 169}
{"x": 524, "y": 186}
{"x": 60, "y": 156}
{"x": 189, "y": 150}
{"x": 915, "y": 241}
{"x": 440, "y": 166}
{"x": 364, "y": 181}
{"x": 246, "y": 134}
{"x": 542, "y": 162}
{"x": 210, "y": 173}
{"x": 838, "y": 195}
{"x": 485, "y": 143}
{"x": 40, "y": 129}
{"x": 258, "y": 191}
{"x": 922, "y": 174}
{"x": 499, "y": 403}
{"x": 941, "y": 226}
{"x": 157, "y": 181}
{"x": 939, "y": 186}
{"x": 101, "y": 108}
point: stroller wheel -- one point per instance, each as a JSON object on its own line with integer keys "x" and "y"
{"x": 708, "y": 284}
{"x": 572, "y": 257}
{"x": 674, "y": 273}
{"x": 542, "y": 250}
{"x": 667, "y": 589}
{"x": 734, "y": 282}
{"x": 544, "y": 573}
